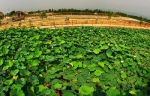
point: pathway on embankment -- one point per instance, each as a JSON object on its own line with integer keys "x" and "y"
{"x": 94, "y": 25}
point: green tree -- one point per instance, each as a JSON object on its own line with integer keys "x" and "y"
{"x": 110, "y": 14}
{"x": 141, "y": 21}
{"x": 96, "y": 20}
{"x": 43, "y": 15}
{"x": 30, "y": 22}
{"x": 31, "y": 12}
{"x": 67, "y": 20}
{"x": 1, "y": 17}
{"x": 13, "y": 18}
{"x": 11, "y": 13}
{"x": 19, "y": 25}
{"x": 50, "y": 10}
{"x": 0, "y": 22}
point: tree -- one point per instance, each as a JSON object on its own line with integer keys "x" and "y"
{"x": 43, "y": 15}
{"x": 50, "y": 10}
{"x": 96, "y": 20}
{"x": 67, "y": 20}
{"x": 141, "y": 21}
{"x": 0, "y": 22}
{"x": 11, "y": 13}
{"x": 110, "y": 14}
{"x": 1, "y": 17}
{"x": 38, "y": 11}
{"x": 30, "y": 22}
{"x": 19, "y": 25}
{"x": 13, "y": 18}
{"x": 31, "y": 12}
{"x": 96, "y": 10}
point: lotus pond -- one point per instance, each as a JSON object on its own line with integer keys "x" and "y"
{"x": 83, "y": 61}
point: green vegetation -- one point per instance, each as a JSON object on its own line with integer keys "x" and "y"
{"x": 13, "y": 18}
{"x": 43, "y": 15}
{"x": 30, "y": 22}
{"x": 1, "y": 17}
{"x": 110, "y": 14}
{"x": 96, "y": 20}
{"x": 141, "y": 20}
{"x": 11, "y": 13}
{"x": 0, "y": 22}
{"x": 84, "y": 61}
{"x": 20, "y": 23}
{"x": 67, "y": 20}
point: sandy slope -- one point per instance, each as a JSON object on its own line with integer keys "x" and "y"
{"x": 103, "y": 21}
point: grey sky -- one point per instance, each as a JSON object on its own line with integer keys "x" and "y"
{"x": 136, "y": 7}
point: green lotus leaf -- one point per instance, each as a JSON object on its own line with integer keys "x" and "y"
{"x": 24, "y": 72}
{"x": 9, "y": 82}
{"x": 49, "y": 58}
{"x": 37, "y": 52}
{"x": 48, "y": 92}
{"x": 16, "y": 92}
{"x": 62, "y": 42}
{"x": 76, "y": 64}
{"x": 66, "y": 60}
{"x": 125, "y": 64}
{"x": 16, "y": 86}
{"x": 104, "y": 47}
{"x": 98, "y": 72}
{"x": 123, "y": 75}
{"x": 5, "y": 51}
{"x": 5, "y": 67}
{"x": 109, "y": 53}
{"x": 2, "y": 94}
{"x": 101, "y": 43}
{"x": 92, "y": 67}
{"x": 21, "y": 58}
{"x": 96, "y": 59}
{"x": 86, "y": 90}
{"x": 57, "y": 86}
{"x": 9, "y": 64}
{"x": 37, "y": 37}
{"x": 95, "y": 80}
{"x": 41, "y": 88}
{"x": 56, "y": 81}
{"x": 113, "y": 92}
{"x": 30, "y": 56}
{"x": 57, "y": 50}
{"x": 1, "y": 61}
{"x": 14, "y": 72}
{"x": 84, "y": 65}
{"x": 33, "y": 79}
{"x": 101, "y": 64}
{"x": 69, "y": 76}
{"x": 33, "y": 63}
{"x": 96, "y": 51}
{"x": 68, "y": 93}
{"x": 79, "y": 56}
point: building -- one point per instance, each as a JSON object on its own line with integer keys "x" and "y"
{"x": 19, "y": 14}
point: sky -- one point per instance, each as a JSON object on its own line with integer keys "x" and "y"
{"x": 133, "y": 7}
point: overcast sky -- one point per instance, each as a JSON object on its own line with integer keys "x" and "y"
{"x": 134, "y": 7}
